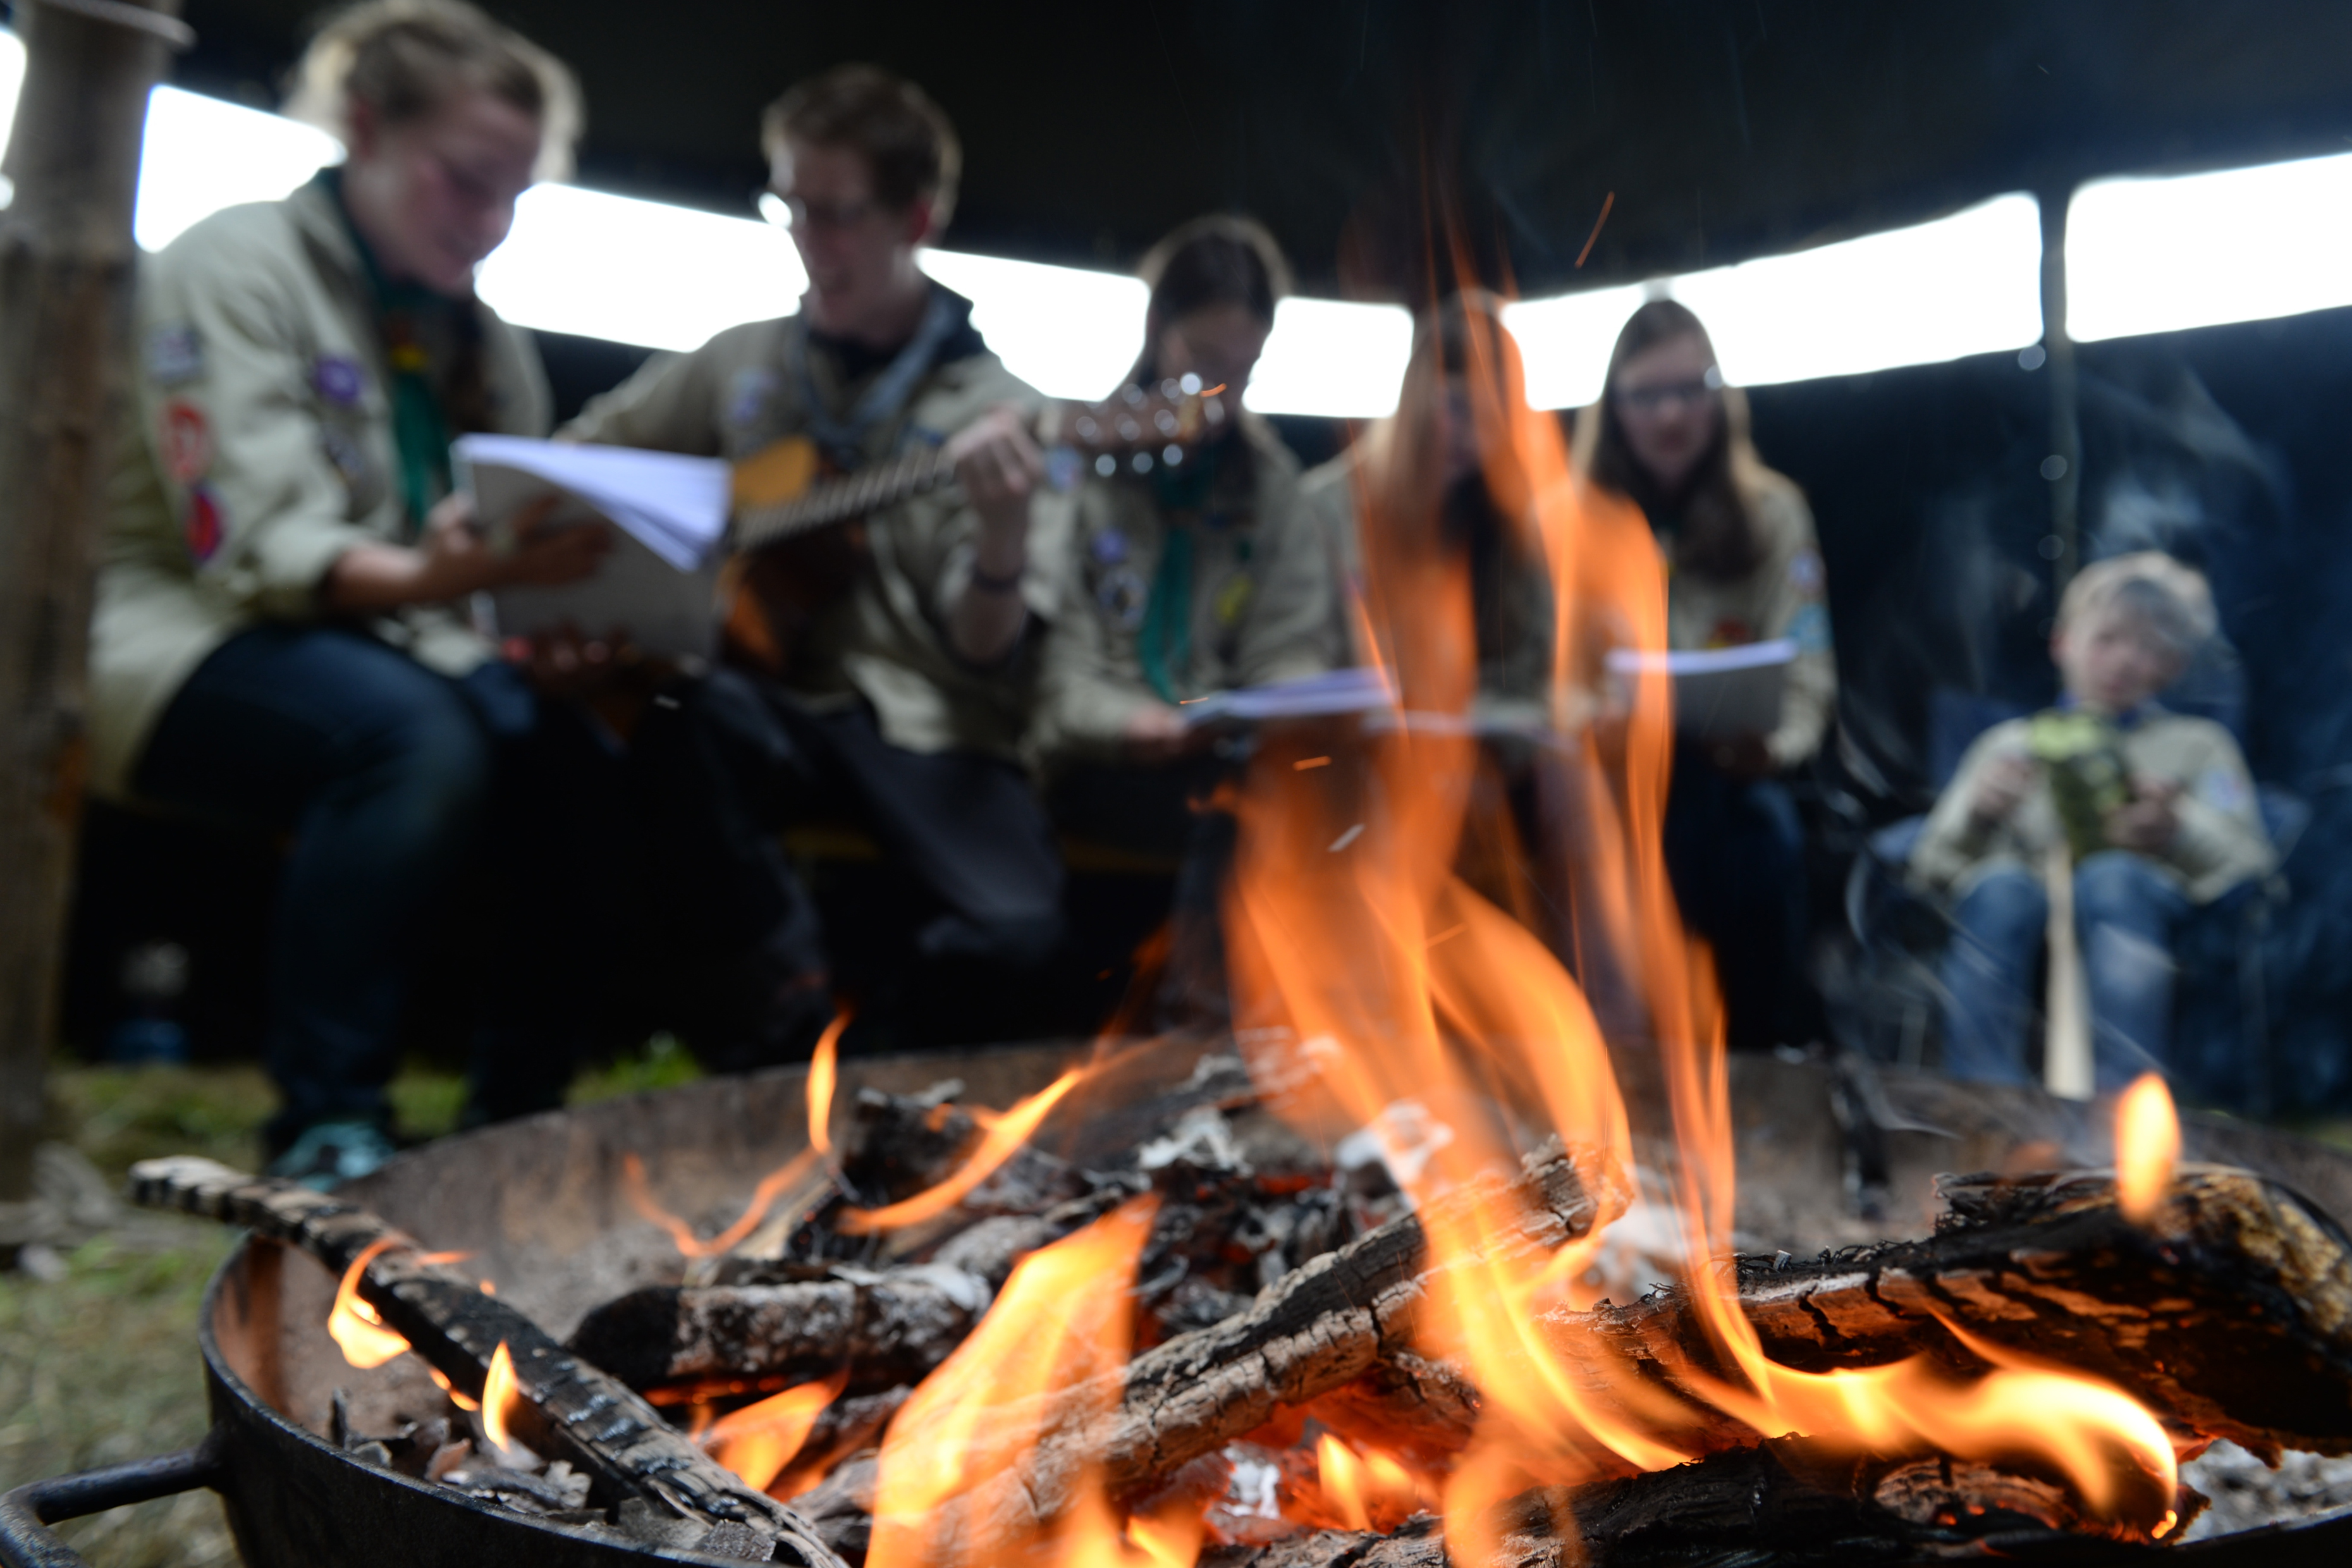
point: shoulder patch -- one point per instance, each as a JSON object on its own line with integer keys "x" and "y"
{"x": 1121, "y": 593}
{"x": 1109, "y": 547}
{"x": 183, "y": 438}
{"x": 2221, "y": 789}
{"x": 1805, "y": 572}
{"x": 175, "y": 354}
{"x": 748, "y": 398}
{"x": 204, "y": 525}
{"x": 339, "y": 380}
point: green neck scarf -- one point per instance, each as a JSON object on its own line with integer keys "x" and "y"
{"x": 1164, "y": 642}
{"x": 420, "y": 426}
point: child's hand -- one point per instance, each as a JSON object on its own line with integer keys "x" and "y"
{"x": 2004, "y": 783}
{"x": 2149, "y": 823}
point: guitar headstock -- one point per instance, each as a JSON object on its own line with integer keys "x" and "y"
{"x": 1142, "y": 427}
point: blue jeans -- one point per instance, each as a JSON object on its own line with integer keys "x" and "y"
{"x": 386, "y": 776}
{"x": 2126, "y": 911}
{"x": 1734, "y": 852}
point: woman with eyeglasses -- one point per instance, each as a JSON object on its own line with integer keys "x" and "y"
{"x": 281, "y": 639}
{"x": 1743, "y": 567}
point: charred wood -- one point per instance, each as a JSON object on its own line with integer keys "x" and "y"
{"x": 585, "y": 1415}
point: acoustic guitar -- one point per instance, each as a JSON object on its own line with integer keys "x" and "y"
{"x": 798, "y": 536}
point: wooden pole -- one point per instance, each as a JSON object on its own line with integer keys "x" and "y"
{"x": 66, "y": 262}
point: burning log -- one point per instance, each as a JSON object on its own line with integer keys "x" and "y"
{"x": 1320, "y": 1329}
{"x": 1781, "y": 1504}
{"x": 2228, "y": 1316}
{"x": 589, "y": 1418}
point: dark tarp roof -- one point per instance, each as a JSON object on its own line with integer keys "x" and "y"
{"x": 1725, "y": 128}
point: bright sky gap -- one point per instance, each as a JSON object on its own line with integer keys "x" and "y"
{"x": 2238, "y": 245}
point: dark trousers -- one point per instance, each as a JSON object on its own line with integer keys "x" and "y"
{"x": 1734, "y": 852}
{"x": 734, "y": 760}
{"x": 387, "y": 776}
{"x": 1165, "y": 812}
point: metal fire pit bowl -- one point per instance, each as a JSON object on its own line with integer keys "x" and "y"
{"x": 543, "y": 1205}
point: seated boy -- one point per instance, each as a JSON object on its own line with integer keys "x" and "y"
{"x": 2155, "y": 809}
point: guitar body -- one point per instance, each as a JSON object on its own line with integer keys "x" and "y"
{"x": 799, "y": 528}
{"x": 771, "y": 596}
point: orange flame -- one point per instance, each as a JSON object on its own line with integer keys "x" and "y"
{"x": 1373, "y": 1492}
{"x": 1005, "y": 1132}
{"x": 772, "y": 1187}
{"x": 2147, "y": 1146}
{"x": 501, "y": 1395}
{"x": 1407, "y": 984}
{"x": 757, "y": 1441}
{"x": 461, "y": 1401}
{"x": 354, "y": 1325}
{"x": 820, "y": 1083}
{"x": 1062, "y": 1319}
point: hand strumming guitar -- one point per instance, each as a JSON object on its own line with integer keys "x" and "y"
{"x": 999, "y": 467}
{"x": 453, "y": 560}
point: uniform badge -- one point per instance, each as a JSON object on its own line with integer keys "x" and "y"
{"x": 748, "y": 397}
{"x": 1109, "y": 547}
{"x": 1805, "y": 572}
{"x": 2221, "y": 789}
{"x": 184, "y": 438}
{"x": 339, "y": 380}
{"x": 1120, "y": 592}
{"x": 203, "y": 526}
{"x": 343, "y": 451}
{"x": 1810, "y": 629}
{"x": 1730, "y": 632}
{"x": 175, "y": 354}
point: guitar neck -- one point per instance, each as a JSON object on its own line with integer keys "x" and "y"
{"x": 843, "y": 500}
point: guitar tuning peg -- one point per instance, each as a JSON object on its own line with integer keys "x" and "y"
{"x": 1166, "y": 420}
{"x": 1134, "y": 396}
{"x": 1088, "y": 429}
{"x": 1142, "y": 462}
{"x": 1106, "y": 465}
{"x": 1169, "y": 390}
{"x": 1174, "y": 455}
{"x": 1188, "y": 384}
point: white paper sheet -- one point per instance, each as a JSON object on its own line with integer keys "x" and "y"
{"x": 1720, "y": 693}
{"x": 658, "y": 585}
{"x": 1353, "y": 690}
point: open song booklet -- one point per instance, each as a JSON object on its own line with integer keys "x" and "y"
{"x": 667, "y": 511}
{"x": 1720, "y": 693}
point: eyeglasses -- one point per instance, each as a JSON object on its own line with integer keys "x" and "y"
{"x": 1683, "y": 394}
{"x": 792, "y": 212}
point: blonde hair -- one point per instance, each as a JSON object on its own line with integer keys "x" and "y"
{"x": 2173, "y": 599}
{"x": 403, "y": 58}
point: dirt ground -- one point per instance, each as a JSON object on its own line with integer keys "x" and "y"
{"x": 99, "y": 1365}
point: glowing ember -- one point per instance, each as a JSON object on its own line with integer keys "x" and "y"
{"x": 1063, "y": 1317}
{"x": 772, "y": 1187}
{"x": 1004, "y": 1134}
{"x": 757, "y": 1441}
{"x": 2147, "y": 1146}
{"x": 820, "y": 1082}
{"x": 500, "y": 1393}
{"x": 354, "y": 1325}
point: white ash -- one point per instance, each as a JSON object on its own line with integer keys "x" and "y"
{"x": 2247, "y": 1493}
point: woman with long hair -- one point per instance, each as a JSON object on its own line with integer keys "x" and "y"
{"x": 1743, "y": 567}
{"x": 281, "y": 640}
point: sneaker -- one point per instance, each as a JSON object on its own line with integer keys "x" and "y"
{"x": 329, "y": 1153}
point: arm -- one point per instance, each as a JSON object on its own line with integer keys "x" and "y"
{"x": 1000, "y": 469}
{"x": 1797, "y": 608}
{"x": 2218, "y": 839}
{"x": 1087, "y": 711}
{"x": 1984, "y": 794}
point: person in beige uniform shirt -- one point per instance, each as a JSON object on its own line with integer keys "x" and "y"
{"x": 1178, "y": 579}
{"x": 908, "y": 685}
{"x": 279, "y": 640}
{"x": 2182, "y": 827}
{"x": 1743, "y": 567}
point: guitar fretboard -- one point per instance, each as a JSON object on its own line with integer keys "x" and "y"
{"x": 841, "y": 500}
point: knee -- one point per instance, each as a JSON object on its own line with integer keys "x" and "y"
{"x": 424, "y": 743}
{"x": 2115, "y": 886}
{"x": 2006, "y": 906}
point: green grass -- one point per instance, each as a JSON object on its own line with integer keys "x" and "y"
{"x": 101, "y": 1367}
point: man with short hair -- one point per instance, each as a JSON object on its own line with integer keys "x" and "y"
{"x": 893, "y": 672}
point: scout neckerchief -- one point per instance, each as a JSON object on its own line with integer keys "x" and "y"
{"x": 420, "y": 428}
{"x": 1163, "y": 644}
{"x": 842, "y": 439}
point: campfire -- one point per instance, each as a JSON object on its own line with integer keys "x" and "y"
{"x": 1392, "y": 1274}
